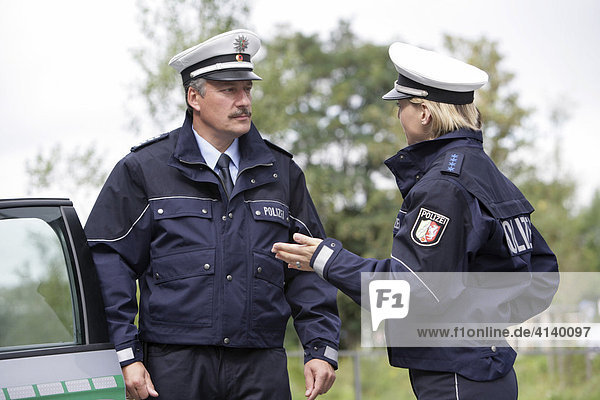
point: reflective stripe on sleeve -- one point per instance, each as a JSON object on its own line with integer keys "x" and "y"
{"x": 331, "y": 353}
{"x": 125, "y": 354}
{"x": 126, "y": 233}
{"x": 416, "y": 276}
{"x": 321, "y": 260}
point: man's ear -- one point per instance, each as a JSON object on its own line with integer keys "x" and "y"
{"x": 193, "y": 99}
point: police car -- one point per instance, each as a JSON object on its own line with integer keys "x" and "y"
{"x": 53, "y": 336}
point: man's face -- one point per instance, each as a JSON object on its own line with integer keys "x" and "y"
{"x": 225, "y": 110}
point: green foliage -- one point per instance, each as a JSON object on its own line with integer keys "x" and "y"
{"x": 552, "y": 201}
{"x": 587, "y": 237}
{"x": 71, "y": 171}
{"x": 41, "y": 169}
{"x": 558, "y": 376}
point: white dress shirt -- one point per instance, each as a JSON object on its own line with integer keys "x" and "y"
{"x": 211, "y": 155}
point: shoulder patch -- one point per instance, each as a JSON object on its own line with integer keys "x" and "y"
{"x": 452, "y": 163}
{"x": 274, "y": 146}
{"x": 150, "y": 141}
{"x": 429, "y": 227}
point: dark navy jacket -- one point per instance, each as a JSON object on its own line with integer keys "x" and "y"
{"x": 460, "y": 214}
{"x": 206, "y": 273}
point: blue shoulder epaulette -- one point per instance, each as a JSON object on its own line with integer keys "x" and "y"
{"x": 452, "y": 163}
{"x": 274, "y": 146}
{"x": 150, "y": 141}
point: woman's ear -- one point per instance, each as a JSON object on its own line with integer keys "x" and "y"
{"x": 425, "y": 114}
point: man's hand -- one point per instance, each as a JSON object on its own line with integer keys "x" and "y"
{"x": 137, "y": 381}
{"x": 319, "y": 376}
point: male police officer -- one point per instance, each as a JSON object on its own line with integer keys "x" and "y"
{"x": 192, "y": 215}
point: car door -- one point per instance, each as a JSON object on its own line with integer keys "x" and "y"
{"x": 53, "y": 337}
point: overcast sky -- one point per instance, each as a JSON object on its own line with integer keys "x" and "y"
{"x": 65, "y": 67}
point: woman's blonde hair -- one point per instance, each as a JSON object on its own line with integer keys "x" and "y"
{"x": 450, "y": 117}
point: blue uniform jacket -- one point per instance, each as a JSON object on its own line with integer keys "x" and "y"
{"x": 460, "y": 214}
{"x": 205, "y": 270}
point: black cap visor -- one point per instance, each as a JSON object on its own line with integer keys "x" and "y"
{"x": 231, "y": 75}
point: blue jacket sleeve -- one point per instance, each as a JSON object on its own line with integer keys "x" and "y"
{"x": 118, "y": 235}
{"x": 544, "y": 281}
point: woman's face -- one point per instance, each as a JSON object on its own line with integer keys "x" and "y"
{"x": 414, "y": 119}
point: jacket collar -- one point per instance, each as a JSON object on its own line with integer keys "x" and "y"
{"x": 253, "y": 150}
{"x": 412, "y": 162}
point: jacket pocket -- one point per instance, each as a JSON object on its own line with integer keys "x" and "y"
{"x": 182, "y": 287}
{"x": 181, "y": 222}
{"x": 270, "y": 310}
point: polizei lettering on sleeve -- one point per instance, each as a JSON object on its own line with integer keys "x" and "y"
{"x": 517, "y": 231}
{"x": 429, "y": 227}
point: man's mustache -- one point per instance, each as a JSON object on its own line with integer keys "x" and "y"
{"x": 240, "y": 112}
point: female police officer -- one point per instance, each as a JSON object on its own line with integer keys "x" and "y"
{"x": 460, "y": 215}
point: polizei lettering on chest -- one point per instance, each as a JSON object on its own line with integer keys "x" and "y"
{"x": 274, "y": 212}
{"x": 517, "y": 231}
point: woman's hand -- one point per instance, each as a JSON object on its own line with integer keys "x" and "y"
{"x": 297, "y": 255}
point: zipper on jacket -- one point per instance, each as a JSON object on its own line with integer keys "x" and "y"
{"x": 254, "y": 166}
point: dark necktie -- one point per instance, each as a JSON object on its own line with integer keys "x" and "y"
{"x": 223, "y": 164}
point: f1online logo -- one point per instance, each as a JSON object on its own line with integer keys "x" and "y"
{"x": 389, "y": 300}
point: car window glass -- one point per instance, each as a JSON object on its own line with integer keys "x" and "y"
{"x": 36, "y": 305}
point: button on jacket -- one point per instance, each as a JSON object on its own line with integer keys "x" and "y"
{"x": 206, "y": 273}
{"x": 459, "y": 214}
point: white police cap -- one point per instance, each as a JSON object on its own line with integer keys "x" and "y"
{"x": 225, "y": 57}
{"x": 433, "y": 76}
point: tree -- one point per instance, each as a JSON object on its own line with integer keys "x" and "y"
{"x": 79, "y": 172}
{"x": 587, "y": 239}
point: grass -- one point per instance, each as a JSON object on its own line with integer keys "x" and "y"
{"x": 557, "y": 377}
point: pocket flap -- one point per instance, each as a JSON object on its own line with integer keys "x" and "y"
{"x": 270, "y": 210}
{"x": 183, "y": 265}
{"x": 269, "y": 269}
{"x": 173, "y": 207}
{"x": 510, "y": 208}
